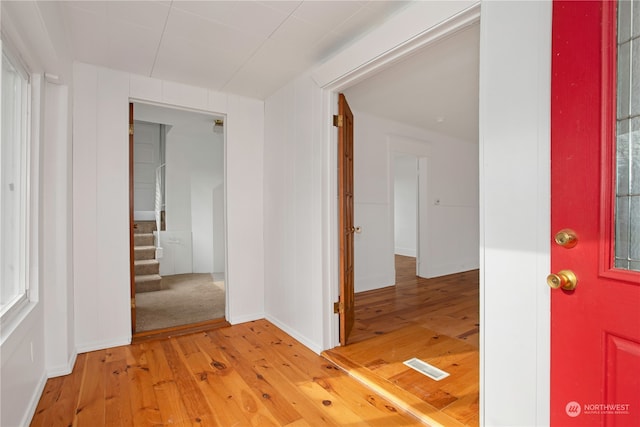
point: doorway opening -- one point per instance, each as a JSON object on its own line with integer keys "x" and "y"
{"x": 178, "y": 226}
{"x": 424, "y": 309}
{"x": 406, "y": 214}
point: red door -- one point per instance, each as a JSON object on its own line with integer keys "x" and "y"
{"x": 595, "y": 187}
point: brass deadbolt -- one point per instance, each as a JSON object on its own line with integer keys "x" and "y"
{"x": 566, "y": 238}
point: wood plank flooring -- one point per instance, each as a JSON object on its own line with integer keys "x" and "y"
{"x": 251, "y": 374}
{"x": 435, "y": 320}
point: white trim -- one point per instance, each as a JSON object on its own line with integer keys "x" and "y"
{"x": 64, "y": 369}
{"x": 245, "y": 318}
{"x": 295, "y": 334}
{"x": 14, "y": 317}
{"x": 410, "y": 252}
{"x": 101, "y": 345}
{"x": 33, "y": 402}
{"x": 325, "y": 75}
{"x": 380, "y": 280}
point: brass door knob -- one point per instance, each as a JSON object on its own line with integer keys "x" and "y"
{"x": 565, "y": 279}
{"x": 566, "y": 238}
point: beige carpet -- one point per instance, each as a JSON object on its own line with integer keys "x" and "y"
{"x": 183, "y": 299}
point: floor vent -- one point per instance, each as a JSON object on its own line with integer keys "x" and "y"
{"x": 426, "y": 369}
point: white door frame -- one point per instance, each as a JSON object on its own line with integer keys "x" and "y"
{"x": 330, "y": 90}
{"x": 514, "y": 124}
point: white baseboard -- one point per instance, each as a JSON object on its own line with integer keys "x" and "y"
{"x": 446, "y": 269}
{"x": 65, "y": 369}
{"x": 406, "y": 252}
{"x": 234, "y": 320}
{"x": 101, "y": 345}
{"x": 374, "y": 282}
{"x": 33, "y": 402}
{"x": 295, "y": 334}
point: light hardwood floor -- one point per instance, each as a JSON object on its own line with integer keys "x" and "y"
{"x": 435, "y": 320}
{"x": 251, "y": 374}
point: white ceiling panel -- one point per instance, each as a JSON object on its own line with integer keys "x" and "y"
{"x": 268, "y": 70}
{"x": 200, "y": 31}
{"x": 253, "y": 48}
{"x": 89, "y": 33}
{"x": 205, "y": 66}
{"x": 327, "y": 14}
{"x": 250, "y": 17}
{"x": 146, "y": 14}
{"x": 297, "y": 32}
{"x": 97, "y": 7}
{"x": 132, "y": 48}
{"x": 286, "y": 7}
{"x": 366, "y": 17}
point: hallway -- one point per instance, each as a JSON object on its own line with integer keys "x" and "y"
{"x": 435, "y": 320}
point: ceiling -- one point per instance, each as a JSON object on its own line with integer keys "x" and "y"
{"x": 437, "y": 89}
{"x": 249, "y": 48}
{"x": 253, "y": 48}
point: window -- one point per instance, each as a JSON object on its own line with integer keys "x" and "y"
{"x": 627, "y": 240}
{"x": 14, "y": 184}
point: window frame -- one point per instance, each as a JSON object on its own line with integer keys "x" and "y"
{"x": 20, "y": 303}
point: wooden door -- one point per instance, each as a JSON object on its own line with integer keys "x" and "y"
{"x": 132, "y": 281}
{"x": 345, "y": 214}
{"x": 595, "y": 328}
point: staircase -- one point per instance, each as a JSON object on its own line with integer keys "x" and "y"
{"x": 146, "y": 266}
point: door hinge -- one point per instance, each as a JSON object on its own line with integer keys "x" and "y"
{"x": 131, "y": 129}
{"x": 133, "y": 303}
{"x": 338, "y": 120}
{"x": 338, "y": 307}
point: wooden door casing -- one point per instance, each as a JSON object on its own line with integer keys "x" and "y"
{"x": 595, "y": 329}
{"x": 345, "y": 218}
{"x": 132, "y": 282}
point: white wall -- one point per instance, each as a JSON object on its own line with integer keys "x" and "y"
{"x": 219, "y": 251}
{"x": 449, "y": 228}
{"x": 515, "y": 56}
{"x": 177, "y": 257}
{"x": 101, "y": 264}
{"x": 405, "y": 202}
{"x": 194, "y": 168}
{"x": 39, "y": 342}
{"x": 57, "y": 232}
{"x": 293, "y": 160}
{"x": 146, "y": 155}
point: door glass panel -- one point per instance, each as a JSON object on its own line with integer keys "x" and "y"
{"x": 627, "y": 206}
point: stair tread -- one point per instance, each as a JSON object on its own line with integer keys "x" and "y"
{"x": 145, "y": 261}
{"x": 144, "y": 248}
{"x": 147, "y": 278}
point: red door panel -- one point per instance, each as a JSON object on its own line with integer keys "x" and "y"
{"x": 595, "y": 328}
